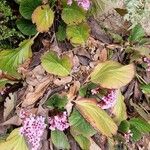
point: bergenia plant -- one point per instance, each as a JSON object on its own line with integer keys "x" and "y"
{"x": 73, "y": 88}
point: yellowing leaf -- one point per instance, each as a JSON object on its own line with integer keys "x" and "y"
{"x": 11, "y": 59}
{"x": 78, "y": 34}
{"x": 15, "y": 141}
{"x": 9, "y": 105}
{"x": 97, "y": 117}
{"x": 55, "y": 65}
{"x": 43, "y": 17}
{"x": 119, "y": 110}
{"x": 73, "y": 14}
{"x": 112, "y": 75}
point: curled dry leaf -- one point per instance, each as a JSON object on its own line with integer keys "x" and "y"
{"x": 40, "y": 89}
{"x": 9, "y": 105}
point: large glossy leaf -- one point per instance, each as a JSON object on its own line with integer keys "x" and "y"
{"x": 15, "y": 141}
{"x": 59, "y": 139}
{"x": 11, "y": 59}
{"x": 97, "y": 117}
{"x": 73, "y": 14}
{"x": 80, "y": 125}
{"x": 119, "y": 110}
{"x": 78, "y": 34}
{"x": 55, "y": 65}
{"x": 27, "y": 7}
{"x": 26, "y": 27}
{"x": 112, "y": 75}
{"x": 43, "y": 17}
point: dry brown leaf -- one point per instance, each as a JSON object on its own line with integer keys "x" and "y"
{"x": 40, "y": 89}
{"x": 9, "y": 105}
{"x": 63, "y": 81}
{"x": 73, "y": 90}
{"x": 15, "y": 120}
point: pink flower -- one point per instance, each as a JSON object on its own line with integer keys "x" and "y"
{"x": 33, "y": 129}
{"x": 147, "y": 61}
{"x": 59, "y": 122}
{"x": 109, "y": 100}
{"x": 85, "y": 4}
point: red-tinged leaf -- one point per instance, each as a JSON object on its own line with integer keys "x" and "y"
{"x": 97, "y": 117}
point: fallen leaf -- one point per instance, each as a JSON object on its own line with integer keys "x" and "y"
{"x": 9, "y": 105}
{"x": 40, "y": 89}
{"x": 63, "y": 81}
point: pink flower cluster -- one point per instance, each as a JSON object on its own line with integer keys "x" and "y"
{"x": 33, "y": 129}
{"x": 109, "y": 100}
{"x": 147, "y": 61}
{"x": 83, "y": 3}
{"x": 59, "y": 122}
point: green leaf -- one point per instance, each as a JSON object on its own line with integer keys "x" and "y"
{"x": 146, "y": 88}
{"x": 73, "y": 14}
{"x": 137, "y": 34}
{"x": 61, "y": 34}
{"x": 55, "y": 65}
{"x": 11, "y": 59}
{"x": 97, "y": 117}
{"x": 80, "y": 125}
{"x": 26, "y": 27}
{"x": 27, "y": 7}
{"x": 15, "y": 141}
{"x": 43, "y": 17}
{"x": 124, "y": 126}
{"x": 85, "y": 90}
{"x": 141, "y": 125}
{"x": 119, "y": 110}
{"x": 59, "y": 139}
{"x": 57, "y": 101}
{"x": 83, "y": 142}
{"x": 78, "y": 34}
{"x": 112, "y": 75}
{"x": 136, "y": 134}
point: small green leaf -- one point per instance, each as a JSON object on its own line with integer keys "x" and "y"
{"x": 145, "y": 88}
{"x": 85, "y": 90}
{"x": 43, "y": 17}
{"x": 119, "y": 110}
{"x": 61, "y": 34}
{"x": 124, "y": 126}
{"x": 112, "y": 75}
{"x": 78, "y": 34}
{"x": 55, "y": 65}
{"x": 141, "y": 125}
{"x": 59, "y": 139}
{"x": 137, "y": 34}
{"x": 136, "y": 134}
{"x": 83, "y": 142}
{"x": 57, "y": 101}
{"x": 27, "y": 7}
{"x": 97, "y": 117}
{"x": 11, "y": 59}
{"x": 15, "y": 141}
{"x": 73, "y": 14}
{"x": 26, "y": 27}
{"x": 80, "y": 125}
